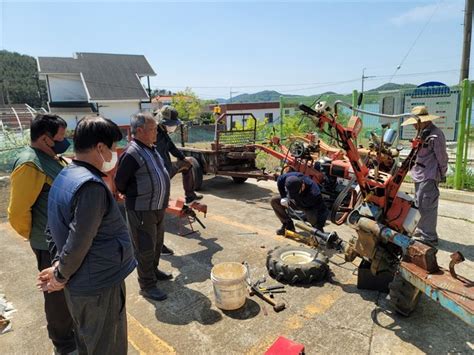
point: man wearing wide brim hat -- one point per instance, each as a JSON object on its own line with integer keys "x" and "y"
{"x": 429, "y": 169}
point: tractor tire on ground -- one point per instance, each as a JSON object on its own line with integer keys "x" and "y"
{"x": 239, "y": 180}
{"x": 297, "y": 264}
{"x": 197, "y": 173}
{"x": 403, "y": 296}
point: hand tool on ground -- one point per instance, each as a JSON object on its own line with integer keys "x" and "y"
{"x": 277, "y": 307}
{"x": 190, "y": 212}
{"x": 271, "y": 288}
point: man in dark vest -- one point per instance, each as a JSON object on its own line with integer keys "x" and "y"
{"x": 94, "y": 250}
{"x": 141, "y": 176}
{"x": 33, "y": 173}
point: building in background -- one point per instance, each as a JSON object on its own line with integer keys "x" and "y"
{"x": 96, "y": 83}
{"x": 269, "y": 111}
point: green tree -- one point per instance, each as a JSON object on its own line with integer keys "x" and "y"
{"x": 187, "y": 104}
{"x": 19, "y": 80}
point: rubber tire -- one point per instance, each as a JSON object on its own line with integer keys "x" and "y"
{"x": 197, "y": 173}
{"x": 239, "y": 180}
{"x": 313, "y": 271}
{"x": 404, "y": 297}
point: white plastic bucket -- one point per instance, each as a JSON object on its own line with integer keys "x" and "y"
{"x": 230, "y": 289}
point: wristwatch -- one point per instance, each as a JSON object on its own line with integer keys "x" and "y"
{"x": 58, "y": 275}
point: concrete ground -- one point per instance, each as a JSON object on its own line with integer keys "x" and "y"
{"x": 333, "y": 317}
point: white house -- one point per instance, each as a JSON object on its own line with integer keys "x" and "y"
{"x": 269, "y": 111}
{"x": 96, "y": 83}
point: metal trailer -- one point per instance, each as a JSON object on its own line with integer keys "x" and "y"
{"x": 233, "y": 152}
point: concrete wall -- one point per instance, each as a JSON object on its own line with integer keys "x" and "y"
{"x": 119, "y": 112}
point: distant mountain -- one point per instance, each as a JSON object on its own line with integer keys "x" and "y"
{"x": 272, "y": 95}
{"x": 393, "y": 86}
{"x": 262, "y": 96}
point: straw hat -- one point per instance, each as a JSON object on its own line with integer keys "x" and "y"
{"x": 422, "y": 113}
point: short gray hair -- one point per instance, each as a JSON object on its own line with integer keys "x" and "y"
{"x": 139, "y": 120}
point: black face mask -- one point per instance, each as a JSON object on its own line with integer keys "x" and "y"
{"x": 61, "y": 146}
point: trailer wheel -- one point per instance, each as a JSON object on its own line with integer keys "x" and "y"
{"x": 297, "y": 264}
{"x": 344, "y": 204}
{"x": 239, "y": 180}
{"x": 403, "y": 296}
{"x": 197, "y": 173}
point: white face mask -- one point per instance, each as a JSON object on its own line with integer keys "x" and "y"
{"x": 171, "y": 129}
{"x": 109, "y": 165}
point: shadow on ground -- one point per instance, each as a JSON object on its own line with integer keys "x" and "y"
{"x": 225, "y": 188}
{"x": 418, "y": 328}
{"x": 184, "y": 306}
{"x": 452, "y": 247}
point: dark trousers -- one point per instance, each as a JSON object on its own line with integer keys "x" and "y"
{"x": 316, "y": 216}
{"x": 59, "y": 321}
{"x": 185, "y": 168}
{"x": 148, "y": 230}
{"x": 100, "y": 320}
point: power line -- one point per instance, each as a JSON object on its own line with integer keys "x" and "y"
{"x": 416, "y": 40}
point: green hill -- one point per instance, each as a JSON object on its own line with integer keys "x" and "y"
{"x": 18, "y": 80}
{"x": 393, "y": 86}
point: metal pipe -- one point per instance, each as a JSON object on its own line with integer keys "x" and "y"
{"x": 387, "y": 234}
{"x": 393, "y": 117}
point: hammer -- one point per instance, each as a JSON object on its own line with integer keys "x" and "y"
{"x": 277, "y": 307}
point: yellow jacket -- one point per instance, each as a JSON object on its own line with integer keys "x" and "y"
{"x": 26, "y": 181}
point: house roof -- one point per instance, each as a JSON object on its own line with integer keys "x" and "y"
{"x": 105, "y": 76}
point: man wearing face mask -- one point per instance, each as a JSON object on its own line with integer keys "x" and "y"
{"x": 141, "y": 176}
{"x": 94, "y": 251}
{"x": 168, "y": 122}
{"x": 33, "y": 173}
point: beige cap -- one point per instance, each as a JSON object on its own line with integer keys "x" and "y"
{"x": 422, "y": 113}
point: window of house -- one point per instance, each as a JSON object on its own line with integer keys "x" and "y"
{"x": 269, "y": 117}
{"x": 287, "y": 111}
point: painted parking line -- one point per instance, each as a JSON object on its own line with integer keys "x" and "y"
{"x": 144, "y": 340}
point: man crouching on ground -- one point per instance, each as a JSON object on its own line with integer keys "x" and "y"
{"x": 94, "y": 251}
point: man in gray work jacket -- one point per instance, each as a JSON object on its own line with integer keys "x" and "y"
{"x": 141, "y": 176}
{"x": 93, "y": 248}
{"x": 430, "y": 168}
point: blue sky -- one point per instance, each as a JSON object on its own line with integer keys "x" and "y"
{"x": 292, "y": 47}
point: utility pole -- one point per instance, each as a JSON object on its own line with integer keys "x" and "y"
{"x": 466, "y": 49}
{"x": 363, "y": 78}
{"x": 230, "y": 94}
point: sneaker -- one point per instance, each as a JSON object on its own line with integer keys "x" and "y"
{"x": 166, "y": 251}
{"x": 153, "y": 294}
{"x": 163, "y": 275}
{"x": 190, "y": 199}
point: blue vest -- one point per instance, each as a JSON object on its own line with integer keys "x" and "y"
{"x": 110, "y": 258}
